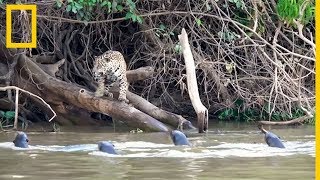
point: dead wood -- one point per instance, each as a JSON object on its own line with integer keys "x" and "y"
{"x": 298, "y": 120}
{"x": 72, "y": 115}
{"x": 63, "y": 102}
{"x": 51, "y": 69}
{"x": 139, "y": 74}
{"x": 201, "y": 110}
{"x": 177, "y": 121}
{"x": 61, "y": 94}
{"x": 75, "y": 95}
{"x": 45, "y": 58}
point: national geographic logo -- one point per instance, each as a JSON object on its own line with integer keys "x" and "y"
{"x": 19, "y": 7}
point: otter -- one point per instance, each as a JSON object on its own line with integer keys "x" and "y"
{"x": 179, "y": 138}
{"x": 271, "y": 139}
{"x": 106, "y": 147}
{"x": 21, "y": 140}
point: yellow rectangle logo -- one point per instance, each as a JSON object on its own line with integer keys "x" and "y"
{"x": 33, "y": 9}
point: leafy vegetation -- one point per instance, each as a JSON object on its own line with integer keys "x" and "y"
{"x": 7, "y": 115}
{"x": 86, "y": 9}
{"x": 163, "y": 31}
{"x": 239, "y": 3}
{"x": 292, "y": 10}
{"x": 240, "y": 113}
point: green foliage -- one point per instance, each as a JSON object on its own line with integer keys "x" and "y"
{"x": 162, "y": 31}
{"x": 312, "y": 121}
{"x": 131, "y": 13}
{"x": 301, "y": 10}
{"x": 239, "y": 3}
{"x": 237, "y": 114}
{"x": 85, "y": 9}
{"x": 178, "y": 48}
{"x": 199, "y": 22}
{"x": 59, "y": 3}
{"x": 240, "y": 113}
{"x": 7, "y": 115}
{"x": 7, "y": 118}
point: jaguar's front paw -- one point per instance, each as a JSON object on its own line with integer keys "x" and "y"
{"x": 109, "y": 94}
{"x": 98, "y": 94}
{"x": 123, "y": 99}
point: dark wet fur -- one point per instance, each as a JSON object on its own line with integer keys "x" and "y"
{"x": 106, "y": 147}
{"x": 179, "y": 138}
{"x": 271, "y": 139}
{"x": 21, "y": 140}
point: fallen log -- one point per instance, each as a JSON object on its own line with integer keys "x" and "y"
{"x": 172, "y": 119}
{"x": 68, "y": 98}
{"x": 69, "y": 93}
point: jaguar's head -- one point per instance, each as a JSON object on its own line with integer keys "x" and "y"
{"x": 98, "y": 70}
{"x": 104, "y": 63}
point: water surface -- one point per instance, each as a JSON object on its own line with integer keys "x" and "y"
{"x": 227, "y": 151}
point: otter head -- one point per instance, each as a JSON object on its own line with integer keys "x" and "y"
{"x": 106, "y": 147}
{"x": 179, "y": 138}
{"x": 21, "y": 140}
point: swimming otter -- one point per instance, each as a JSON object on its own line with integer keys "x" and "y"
{"x": 271, "y": 139}
{"x": 21, "y": 140}
{"x": 107, "y": 147}
{"x": 179, "y": 138}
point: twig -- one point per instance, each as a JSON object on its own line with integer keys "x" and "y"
{"x": 15, "y": 125}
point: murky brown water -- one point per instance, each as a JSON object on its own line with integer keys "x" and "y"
{"x": 227, "y": 151}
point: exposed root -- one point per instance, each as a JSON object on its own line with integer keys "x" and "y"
{"x": 17, "y": 89}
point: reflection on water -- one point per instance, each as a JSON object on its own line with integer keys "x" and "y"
{"x": 223, "y": 153}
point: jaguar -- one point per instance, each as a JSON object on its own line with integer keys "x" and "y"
{"x": 109, "y": 68}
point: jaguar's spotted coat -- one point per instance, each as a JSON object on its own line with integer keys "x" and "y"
{"x": 110, "y": 67}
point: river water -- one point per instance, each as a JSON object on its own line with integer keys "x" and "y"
{"x": 227, "y": 151}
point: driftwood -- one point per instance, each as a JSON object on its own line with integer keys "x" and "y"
{"x": 66, "y": 99}
{"x": 201, "y": 110}
{"x": 298, "y": 120}
{"x": 158, "y": 113}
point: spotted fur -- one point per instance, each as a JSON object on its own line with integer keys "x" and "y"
{"x": 110, "y": 67}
